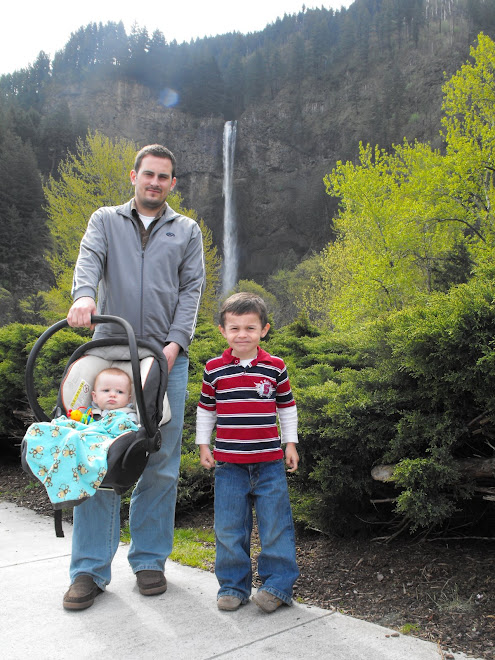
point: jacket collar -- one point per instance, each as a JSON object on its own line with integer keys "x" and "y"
{"x": 166, "y": 213}
{"x": 262, "y": 356}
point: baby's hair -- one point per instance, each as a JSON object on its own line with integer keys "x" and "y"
{"x": 244, "y": 303}
{"x": 114, "y": 371}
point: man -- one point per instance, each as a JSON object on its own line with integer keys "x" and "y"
{"x": 147, "y": 263}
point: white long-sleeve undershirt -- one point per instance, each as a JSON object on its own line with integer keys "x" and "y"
{"x": 207, "y": 419}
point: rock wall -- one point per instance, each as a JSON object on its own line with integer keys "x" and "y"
{"x": 283, "y": 211}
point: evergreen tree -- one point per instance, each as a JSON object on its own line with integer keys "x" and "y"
{"x": 23, "y": 269}
{"x": 56, "y": 138}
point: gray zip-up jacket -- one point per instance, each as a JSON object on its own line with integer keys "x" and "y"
{"x": 158, "y": 289}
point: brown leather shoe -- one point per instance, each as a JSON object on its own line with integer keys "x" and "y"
{"x": 81, "y": 594}
{"x": 229, "y": 603}
{"x": 151, "y": 583}
{"x": 266, "y": 601}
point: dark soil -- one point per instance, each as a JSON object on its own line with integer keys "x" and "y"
{"x": 440, "y": 590}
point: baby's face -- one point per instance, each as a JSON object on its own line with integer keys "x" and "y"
{"x": 111, "y": 391}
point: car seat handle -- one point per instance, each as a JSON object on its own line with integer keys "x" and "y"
{"x": 134, "y": 358}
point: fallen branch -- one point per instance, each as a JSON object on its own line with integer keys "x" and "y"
{"x": 471, "y": 468}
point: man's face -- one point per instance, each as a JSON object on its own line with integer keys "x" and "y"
{"x": 152, "y": 182}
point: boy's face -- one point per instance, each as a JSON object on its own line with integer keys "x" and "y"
{"x": 111, "y": 391}
{"x": 243, "y": 333}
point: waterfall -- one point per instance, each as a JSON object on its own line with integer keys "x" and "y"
{"x": 230, "y": 258}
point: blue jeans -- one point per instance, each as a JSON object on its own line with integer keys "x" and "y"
{"x": 237, "y": 488}
{"x": 96, "y": 532}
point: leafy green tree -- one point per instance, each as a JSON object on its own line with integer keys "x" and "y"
{"x": 390, "y": 234}
{"x": 410, "y": 217}
{"x": 297, "y": 290}
{"x": 469, "y": 131}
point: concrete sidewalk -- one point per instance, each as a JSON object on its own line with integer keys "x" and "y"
{"x": 184, "y": 623}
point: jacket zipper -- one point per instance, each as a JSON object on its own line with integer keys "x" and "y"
{"x": 142, "y": 294}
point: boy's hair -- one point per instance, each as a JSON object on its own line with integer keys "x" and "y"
{"x": 114, "y": 371}
{"x": 244, "y": 303}
{"x": 154, "y": 150}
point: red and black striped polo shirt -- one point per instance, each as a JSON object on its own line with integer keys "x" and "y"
{"x": 246, "y": 401}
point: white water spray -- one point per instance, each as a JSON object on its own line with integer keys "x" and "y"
{"x": 230, "y": 256}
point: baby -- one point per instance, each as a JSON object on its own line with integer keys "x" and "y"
{"x": 113, "y": 391}
{"x": 70, "y": 457}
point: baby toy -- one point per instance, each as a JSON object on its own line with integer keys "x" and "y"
{"x": 82, "y": 415}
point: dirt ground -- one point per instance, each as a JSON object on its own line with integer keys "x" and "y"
{"x": 442, "y": 591}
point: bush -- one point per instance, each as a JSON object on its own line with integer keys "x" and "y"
{"x": 402, "y": 390}
{"x": 16, "y": 341}
{"x": 195, "y": 483}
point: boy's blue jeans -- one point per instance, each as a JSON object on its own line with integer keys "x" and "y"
{"x": 237, "y": 487}
{"x": 96, "y": 532}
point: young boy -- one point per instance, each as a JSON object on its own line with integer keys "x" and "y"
{"x": 243, "y": 389}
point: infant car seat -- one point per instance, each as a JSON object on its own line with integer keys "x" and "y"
{"x": 147, "y": 367}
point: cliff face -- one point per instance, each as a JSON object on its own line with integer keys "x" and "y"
{"x": 283, "y": 212}
{"x": 285, "y": 145}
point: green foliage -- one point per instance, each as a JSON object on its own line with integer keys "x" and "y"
{"x": 212, "y": 265}
{"x": 469, "y": 106}
{"x": 426, "y": 485}
{"x": 402, "y": 391}
{"x": 16, "y": 341}
{"x": 97, "y": 175}
{"x": 298, "y": 289}
{"x": 412, "y": 220}
{"x": 194, "y": 547}
{"x": 195, "y": 483}
{"x": 23, "y": 269}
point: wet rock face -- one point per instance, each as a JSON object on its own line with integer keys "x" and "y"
{"x": 283, "y": 211}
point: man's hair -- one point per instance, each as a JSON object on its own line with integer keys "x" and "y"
{"x": 244, "y": 303}
{"x": 114, "y": 371}
{"x": 157, "y": 150}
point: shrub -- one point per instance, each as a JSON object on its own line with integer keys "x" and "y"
{"x": 16, "y": 341}
{"x": 403, "y": 390}
{"x": 195, "y": 483}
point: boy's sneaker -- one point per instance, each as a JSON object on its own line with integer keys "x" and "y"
{"x": 81, "y": 594}
{"x": 228, "y": 603}
{"x": 267, "y": 602}
{"x": 151, "y": 583}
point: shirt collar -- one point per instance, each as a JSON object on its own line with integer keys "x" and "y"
{"x": 161, "y": 211}
{"x": 262, "y": 356}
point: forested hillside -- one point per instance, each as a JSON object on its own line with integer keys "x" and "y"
{"x": 305, "y": 90}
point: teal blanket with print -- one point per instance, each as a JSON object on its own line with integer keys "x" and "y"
{"x": 70, "y": 458}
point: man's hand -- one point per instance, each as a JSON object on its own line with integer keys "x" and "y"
{"x": 79, "y": 315}
{"x": 206, "y": 457}
{"x": 171, "y": 351}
